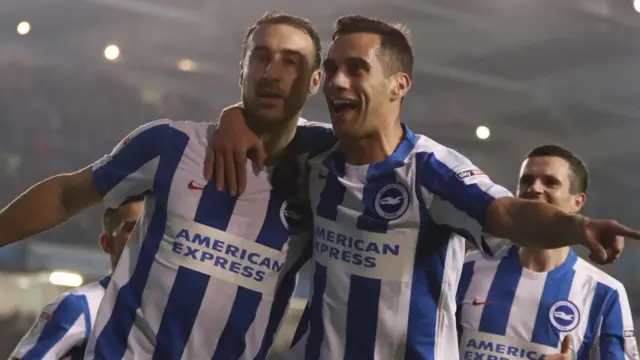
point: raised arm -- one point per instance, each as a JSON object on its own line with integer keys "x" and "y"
{"x": 128, "y": 170}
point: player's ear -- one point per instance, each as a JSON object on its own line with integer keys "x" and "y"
{"x": 316, "y": 78}
{"x": 578, "y": 201}
{"x": 105, "y": 244}
{"x": 400, "y": 85}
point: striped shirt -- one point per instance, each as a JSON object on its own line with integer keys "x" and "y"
{"x": 205, "y": 275}
{"x": 388, "y": 252}
{"x": 62, "y": 329}
{"x": 508, "y": 311}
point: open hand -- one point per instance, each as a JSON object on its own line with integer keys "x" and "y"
{"x": 228, "y": 147}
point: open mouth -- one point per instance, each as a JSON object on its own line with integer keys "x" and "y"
{"x": 338, "y": 106}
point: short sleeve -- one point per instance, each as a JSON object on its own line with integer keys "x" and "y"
{"x": 459, "y": 195}
{"x": 131, "y": 167}
{"x": 60, "y": 327}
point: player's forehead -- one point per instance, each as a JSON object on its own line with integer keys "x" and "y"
{"x": 545, "y": 166}
{"x": 275, "y": 38}
{"x": 130, "y": 212}
{"x": 363, "y": 46}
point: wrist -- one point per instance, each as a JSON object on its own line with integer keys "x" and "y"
{"x": 578, "y": 224}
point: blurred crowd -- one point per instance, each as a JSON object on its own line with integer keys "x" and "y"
{"x": 57, "y": 120}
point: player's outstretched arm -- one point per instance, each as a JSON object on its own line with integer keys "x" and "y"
{"x": 536, "y": 224}
{"x": 47, "y": 204}
{"x": 60, "y": 327}
{"x": 128, "y": 171}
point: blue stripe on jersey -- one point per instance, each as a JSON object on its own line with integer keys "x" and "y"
{"x": 281, "y": 302}
{"x": 362, "y": 318}
{"x": 112, "y": 341}
{"x": 104, "y": 282}
{"x": 174, "y": 330}
{"x": 362, "y": 307}
{"x": 331, "y": 197}
{"x": 142, "y": 148}
{"x": 232, "y": 341}
{"x": 612, "y": 339}
{"x": 555, "y": 288}
{"x": 273, "y": 234}
{"x": 62, "y": 319}
{"x": 426, "y": 285}
{"x": 333, "y": 193}
{"x": 463, "y": 286}
{"x": 316, "y": 326}
{"x": 597, "y": 304}
{"x": 495, "y": 316}
{"x": 465, "y": 280}
{"x": 87, "y": 322}
{"x": 215, "y": 209}
{"x": 441, "y": 180}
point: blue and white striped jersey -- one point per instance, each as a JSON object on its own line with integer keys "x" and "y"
{"x": 63, "y": 328}
{"x": 388, "y": 252}
{"x": 205, "y": 275}
{"x": 510, "y": 312}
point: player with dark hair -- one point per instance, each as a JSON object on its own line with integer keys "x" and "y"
{"x": 531, "y": 300}
{"x": 392, "y": 211}
{"x": 62, "y": 329}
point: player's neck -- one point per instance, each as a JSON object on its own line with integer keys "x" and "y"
{"x": 374, "y": 147}
{"x": 275, "y": 138}
{"x": 541, "y": 260}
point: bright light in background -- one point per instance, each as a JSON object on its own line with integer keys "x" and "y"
{"x": 112, "y": 52}
{"x": 186, "y": 65}
{"x": 636, "y": 5}
{"x": 23, "y": 28}
{"x": 483, "y": 132}
{"x": 63, "y": 278}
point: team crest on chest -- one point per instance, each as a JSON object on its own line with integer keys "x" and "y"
{"x": 392, "y": 201}
{"x": 564, "y": 315}
{"x": 294, "y": 217}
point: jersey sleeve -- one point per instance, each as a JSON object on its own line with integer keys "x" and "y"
{"x": 131, "y": 167}
{"x": 61, "y": 327}
{"x": 616, "y": 340}
{"x": 458, "y": 195}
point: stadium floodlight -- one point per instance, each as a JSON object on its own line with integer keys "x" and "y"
{"x": 187, "y": 65}
{"x": 23, "y": 28}
{"x": 112, "y": 52}
{"x": 483, "y": 132}
{"x": 65, "y": 278}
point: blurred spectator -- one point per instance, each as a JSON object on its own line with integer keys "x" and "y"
{"x": 56, "y": 120}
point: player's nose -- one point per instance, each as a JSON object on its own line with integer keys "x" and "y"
{"x": 339, "y": 81}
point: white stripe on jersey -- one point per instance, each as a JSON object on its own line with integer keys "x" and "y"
{"x": 204, "y": 274}
{"x": 63, "y": 326}
{"x": 388, "y": 252}
{"x": 507, "y": 310}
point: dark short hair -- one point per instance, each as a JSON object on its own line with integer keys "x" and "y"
{"x": 281, "y": 18}
{"x": 580, "y": 180}
{"x": 394, "y": 40}
{"x": 109, "y": 215}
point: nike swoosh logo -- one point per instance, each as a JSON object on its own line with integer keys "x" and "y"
{"x": 322, "y": 176}
{"x": 480, "y": 303}
{"x": 195, "y": 186}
